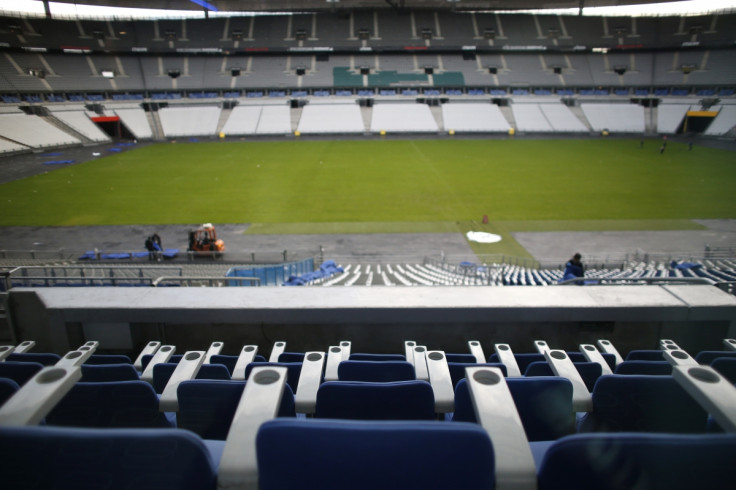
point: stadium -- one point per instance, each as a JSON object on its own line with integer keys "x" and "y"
{"x": 227, "y": 224}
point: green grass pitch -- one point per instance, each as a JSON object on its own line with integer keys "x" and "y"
{"x": 407, "y": 185}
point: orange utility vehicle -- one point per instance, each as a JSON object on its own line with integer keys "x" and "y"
{"x": 204, "y": 239}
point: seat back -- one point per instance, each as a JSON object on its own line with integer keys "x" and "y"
{"x": 544, "y": 405}
{"x": 206, "y": 407}
{"x": 97, "y": 373}
{"x": 651, "y": 461}
{"x": 291, "y": 357}
{"x": 109, "y": 404}
{"x": 707, "y": 356}
{"x": 162, "y": 373}
{"x": 63, "y": 457}
{"x": 375, "y": 371}
{"x": 8, "y": 387}
{"x": 645, "y": 355}
{"x": 108, "y": 359}
{"x": 46, "y": 359}
{"x": 361, "y": 356}
{"x": 726, "y": 366}
{"x": 642, "y": 403}
{"x": 589, "y": 371}
{"x": 464, "y": 358}
{"x": 661, "y": 368}
{"x": 398, "y": 400}
{"x": 20, "y": 372}
{"x": 230, "y": 361}
{"x": 334, "y": 454}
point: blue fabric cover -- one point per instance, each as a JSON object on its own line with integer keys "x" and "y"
{"x": 8, "y": 387}
{"x": 361, "y": 356}
{"x": 20, "y": 372}
{"x": 661, "y": 368}
{"x": 335, "y": 455}
{"x": 207, "y": 407}
{"x": 291, "y": 357}
{"x": 628, "y": 461}
{"x": 47, "y": 359}
{"x": 707, "y": 356}
{"x": 230, "y": 361}
{"x": 162, "y": 373}
{"x": 108, "y": 359}
{"x": 56, "y": 457}
{"x": 327, "y": 269}
{"x": 379, "y": 371}
{"x": 109, "y": 404}
{"x": 645, "y": 355}
{"x": 92, "y": 373}
{"x": 631, "y": 402}
{"x": 544, "y": 406}
{"x": 357, "y": 400}
{"x": 726, "y": 366}
{"x": 589, "y": 371}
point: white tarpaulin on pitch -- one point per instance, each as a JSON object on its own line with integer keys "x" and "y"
{"x": 482, "y": 237}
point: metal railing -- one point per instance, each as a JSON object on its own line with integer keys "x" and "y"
{"x": 592, "y": 281}
{"x": 210, "y": 281}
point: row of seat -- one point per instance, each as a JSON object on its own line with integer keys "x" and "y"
{"x": 331, "y": 452}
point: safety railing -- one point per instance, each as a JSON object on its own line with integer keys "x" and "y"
{"x": 210, "y": 281}
{"x": 593, "y": 281}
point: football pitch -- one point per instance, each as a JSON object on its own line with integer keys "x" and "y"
{"x": 387, "y": 186}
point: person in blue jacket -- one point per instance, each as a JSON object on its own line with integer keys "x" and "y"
{"x": 574, "y": 268}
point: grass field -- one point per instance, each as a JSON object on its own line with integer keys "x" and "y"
{"x": 385, "y": 185}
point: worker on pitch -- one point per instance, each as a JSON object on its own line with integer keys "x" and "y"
{"x": 153, "y": 245}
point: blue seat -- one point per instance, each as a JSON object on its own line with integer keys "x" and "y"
{"x": 20, "y": 372}
{"x": 340, "y": 454}
{"x": 376, "y": 371}
{"x": 642, "y": 403}
{"x": 457, "y": 369}
{"x": 108, "y": 359}
{"x": 47, "y": 359}
{"x": 230, "y": 361}
{"x": 8, "y": 387}
{"x": 627, "y": 461}
{"x": 162, "y": 373}
{"x": 589, "y": 371}
{"x": 463, "y": 358}
{"x": 645, "y": 355}
{"x": 291, "y": 357}
{"x": 726, "y": 366}
{"x": 147, "y": 358}
{"x": 360, "y": 356}
{"x": 544, "y": 405}
{"x": 707, "y": 356}
{"x": 358, "y": 400}
{"x": 63, "y": 457}
{"x": 207, "y": 407}
{"x": 522, "y": 359}
{"x": 97, "y": 373}
{"x": 661, "y": 368}
{"x": 109, "y": 404}
{"x": 294, "y": 370}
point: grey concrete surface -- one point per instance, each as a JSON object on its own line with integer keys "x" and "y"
{"x": 552, "y": 247}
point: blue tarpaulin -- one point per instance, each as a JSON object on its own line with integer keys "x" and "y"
{"x": 56, "y": 162}
{"x": 169, "y": 253}
{"x": 327, "y": 269}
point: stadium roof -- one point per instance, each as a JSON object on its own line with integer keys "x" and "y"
{"x": 313, "y": 5}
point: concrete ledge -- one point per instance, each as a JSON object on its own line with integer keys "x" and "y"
{"x": 40, "y": 312}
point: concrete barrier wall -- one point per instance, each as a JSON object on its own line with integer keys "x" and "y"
{"x": 375, "y": 319}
